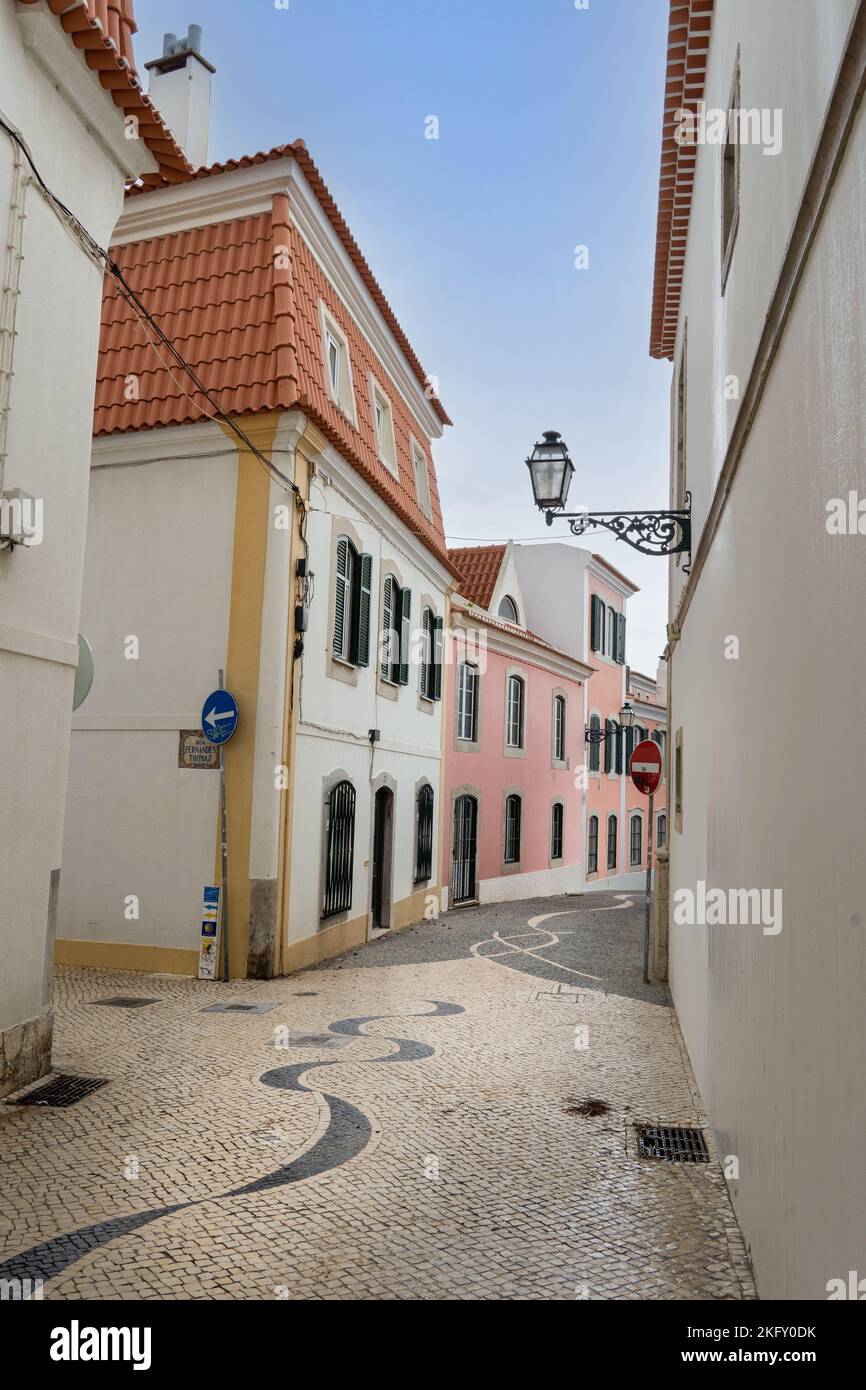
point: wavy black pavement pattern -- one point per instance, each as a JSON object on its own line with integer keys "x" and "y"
{"x": 347, "y": 1134}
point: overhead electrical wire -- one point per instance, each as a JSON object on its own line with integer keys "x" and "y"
{"x": 102, "y": 258}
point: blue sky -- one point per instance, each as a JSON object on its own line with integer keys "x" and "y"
{"x": 549, "y": 130}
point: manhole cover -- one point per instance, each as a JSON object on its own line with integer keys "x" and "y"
{"x": 672, "y": 1143}
{"x": 125, "y": 1001}
{"x": 61, "y": 1091}
{"x": 238, "y": 1008}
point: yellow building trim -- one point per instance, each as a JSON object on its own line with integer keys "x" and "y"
{"x": 331, "y": 941}
{"x": 412, "y": 909}
{"x": 126, "y": 955}
{"x": 249, "y": 553}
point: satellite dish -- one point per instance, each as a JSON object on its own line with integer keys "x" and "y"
{"x": 84, "y": 673}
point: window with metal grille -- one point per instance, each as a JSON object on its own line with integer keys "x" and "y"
{"x": 514, "y": 718}
{"x": 512, "y": 829}
{"x": 611, "y": 842}
{"x": 661, "y": 830}
{"x": 467, "y": 702}
{"x": 559, "y": 728}
{"x": 636, "y": 846}
{"x": 592, "y": 846}
{"x": 339, "y": 849}
{"x": 556, "y": 825}
{"x": 594, "y": 748}
{"x": 424, "y": 835}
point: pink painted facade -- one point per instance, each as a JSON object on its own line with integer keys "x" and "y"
{"x": 513, "y": 747}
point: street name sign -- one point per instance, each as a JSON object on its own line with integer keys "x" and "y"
{"x": 219, "y": 716}
{"x": 646, "y": 766}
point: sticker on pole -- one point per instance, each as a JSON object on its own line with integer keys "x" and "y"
{"x": 219, "y": 716}
{"x": 646, "y": 766}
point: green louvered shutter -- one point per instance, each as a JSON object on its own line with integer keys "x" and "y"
{"x": 619, "y": 741}
{"x": 620, "y": 638}
{"x": 608, "y": 746}
{"x": 389, "y": 596}
{"x": 342, "y": 598}
{"x": 405, "y": 634}
{"x": 593, "y": 623}
{"x": 437, "y": 658}
{"x": 362, "y": 605}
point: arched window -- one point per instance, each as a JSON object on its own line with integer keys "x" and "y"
{"x": 339, "y": 849}
{"x": 512, "y": 829}
{"x": 559, "y": 728}
{"x": 594, "y": 727}
{"x": 636, "y": 842}
{"x": 611, "y": 842}
{"x": 467, "y": 702}
{"x": 662, "y": 829}
{"x": 556, "y": 826}
{"x": 514, "y": 715}
{"x": 592, "y": 846}
{"x": 424, "y": 834}
{"x": 508, "y": 610}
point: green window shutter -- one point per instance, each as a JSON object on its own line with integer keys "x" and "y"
{"x": 438, "y": 639}
{"x": 340, "y": 597}
{"x": 619, "y": 741}
{"x": 362, "y": 604}
{"x": 405, "y": 635}
{"x": 608, "y": 746}
{"x": 388, "y": 597}
{"x": 620, "y": 638}
{"x": 593, "y": 623}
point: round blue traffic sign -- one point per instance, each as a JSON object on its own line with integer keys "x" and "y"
{"x": 219, "y": 716}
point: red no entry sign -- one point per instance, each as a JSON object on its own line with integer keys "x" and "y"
{"x": 646, "y": 766}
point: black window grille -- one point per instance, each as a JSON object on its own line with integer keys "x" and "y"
{"x": 512, "y": 829}
{"x": 339, "y": 849}
{"x": 636, "y": 837}
{"x": 556, "y": 822}
{"x": 662, "y": 830}
{"x": 592, "y": 846}
{"x": 611, "y": 842}
{"x": 424, "y": 841}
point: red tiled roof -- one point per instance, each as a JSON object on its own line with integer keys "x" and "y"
{"x": 102, "y": 30}
{"x": 514, "y": 631}
{"x": 245, "y": 315}
{"x": 298, "y": 151}
{"x": 689, "y": 27}
{"x": 479, "y": 566}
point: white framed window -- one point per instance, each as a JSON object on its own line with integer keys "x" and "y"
{"x": 559, "y": 728}
{"x": 636, "y": 842}
{"x": 383, "y": 427}
{"x": 611, "y": 633}
{"x": 508, "y": 609}
{"x": 337, "y": 364}
{"x": 422, "y": 478}
{"x": 467, "y": 702}
{"x": 514, "y": 720}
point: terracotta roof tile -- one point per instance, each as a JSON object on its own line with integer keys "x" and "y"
{"x": 479, "y": 566}
{"x": 297, "y": 150}
{"x": 245, "y": 315}
{"x": 689, "y": 26}
{"x": 102, "y": 30}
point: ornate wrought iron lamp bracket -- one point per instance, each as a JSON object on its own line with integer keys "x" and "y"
{"x": 650, "y": 533}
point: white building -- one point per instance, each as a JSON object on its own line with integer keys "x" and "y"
{"x": 759, "y": 304}
{"x": 199, "y": 559}
{"x": 68, "y": 90}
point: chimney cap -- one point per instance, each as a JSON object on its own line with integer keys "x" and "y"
{"x": 175, "y": 51}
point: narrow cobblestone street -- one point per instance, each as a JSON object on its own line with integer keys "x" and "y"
{"x": 417, "y": 1138}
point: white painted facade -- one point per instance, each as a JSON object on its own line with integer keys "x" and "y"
{"x": 771, "y": 725}
{"x": 76, "y": 136}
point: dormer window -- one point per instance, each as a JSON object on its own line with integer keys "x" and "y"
{"x": 508, "y": 610}
{"x": 337, "y": 366}
{"x": 334, "y": 364}
{"x": 422, "y": 481}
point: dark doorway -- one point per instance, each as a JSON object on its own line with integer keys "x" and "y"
{"x": 383, "y": 826}
{"x": 464, "y": 847}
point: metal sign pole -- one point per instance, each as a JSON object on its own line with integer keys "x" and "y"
{"x": 224, "y": 890}
{"x": 649, "y": 866}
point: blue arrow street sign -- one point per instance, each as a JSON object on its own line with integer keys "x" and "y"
{"x": 219, "y": 716}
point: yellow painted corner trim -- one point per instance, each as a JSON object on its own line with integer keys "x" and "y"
{"x": 124, "y": 955}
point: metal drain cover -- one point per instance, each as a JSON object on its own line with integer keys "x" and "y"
{"x": 125, "y": 1001}
{"x": 238, "y": 1008}
{"x": 673, "y": 1143}
{"x": 61, "y": 1091}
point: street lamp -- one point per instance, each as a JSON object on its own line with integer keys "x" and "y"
{"x": 626, "y": 719}
{"x": 651, "y": 533}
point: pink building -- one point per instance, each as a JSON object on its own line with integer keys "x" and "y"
{"x": 513, "y": 744}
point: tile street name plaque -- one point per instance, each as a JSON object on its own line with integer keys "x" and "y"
{"x": 195, "y": 751}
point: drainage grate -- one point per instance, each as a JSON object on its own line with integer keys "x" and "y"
{"x": 238, "y": 1008}
{"x": 62, "y": 1091}
{"x": 672, "y": 1143}
{"x": 125, "y": 1001}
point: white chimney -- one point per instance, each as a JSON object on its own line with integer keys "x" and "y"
{"x": 180, "y": 83}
